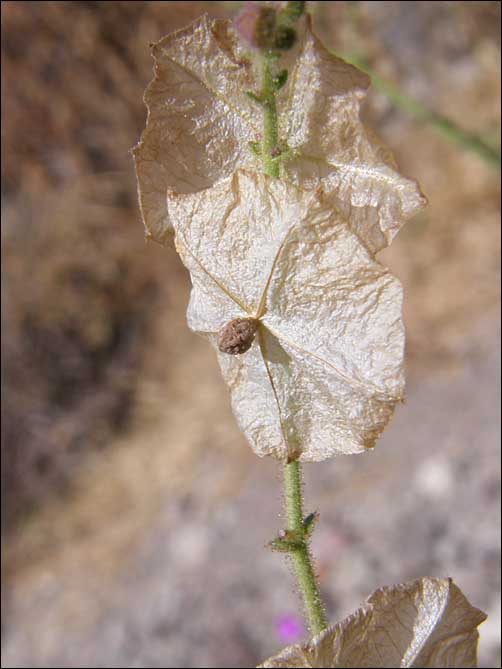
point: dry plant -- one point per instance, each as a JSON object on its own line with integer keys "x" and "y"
{"x": 256, "y": 165}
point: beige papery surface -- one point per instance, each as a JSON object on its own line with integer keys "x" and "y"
{"x": 425, "y": 623}
{"x": 325, "y": 369}
{"x": 200, "y": 123}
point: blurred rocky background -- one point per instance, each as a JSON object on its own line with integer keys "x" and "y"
{"x": 133, "y": 513}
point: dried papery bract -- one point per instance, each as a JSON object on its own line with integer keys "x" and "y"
{"x": 201, "y": 123}
{"x": 200, "y": 119}
{"x": 324, "y": 371}
{"x": 425, "y": 623}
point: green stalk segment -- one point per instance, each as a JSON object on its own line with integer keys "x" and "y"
{"x": 270, "y": 124}
{"x": 302, "y": 560}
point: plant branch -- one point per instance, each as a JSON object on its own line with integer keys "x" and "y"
{"x": 444, "y": 125}
{"x": 469, "y": 141}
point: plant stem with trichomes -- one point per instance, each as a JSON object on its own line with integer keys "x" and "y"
{"x": 302, "y": 559}
{"x": 295, "y": 540}
{"x": 270, "y": 140}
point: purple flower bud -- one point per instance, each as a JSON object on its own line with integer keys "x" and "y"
{"x": 256, "y": 25}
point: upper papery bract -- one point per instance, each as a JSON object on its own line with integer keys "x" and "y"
{"x": 332, "y": 147}
{"x": 324, "y": 372}
{"x": 201, "y": 120}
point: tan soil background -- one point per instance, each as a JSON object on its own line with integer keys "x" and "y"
{"x": 133, "y": 513}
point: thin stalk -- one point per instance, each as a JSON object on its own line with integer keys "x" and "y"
{"x": 302, "y": 560}
{"x": 470, "y": 141}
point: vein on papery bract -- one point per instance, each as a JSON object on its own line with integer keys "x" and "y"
{"x": 201, "y": 121}
{"x": 330, "y": 345}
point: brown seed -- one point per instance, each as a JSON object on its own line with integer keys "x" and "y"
{"x": 237, "y": 336}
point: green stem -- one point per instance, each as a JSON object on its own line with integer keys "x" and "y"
{"x": 447, "y": 127}
{"x": 297, "y": 545}
{"x": 270, "y": 123}
{"x": 450, "y": 130}
{"x": 301, "y": 557}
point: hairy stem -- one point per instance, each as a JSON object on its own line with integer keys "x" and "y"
{"x": 298, "y": 529}
{"x": 270, "y": 122}
{"x": 300, "y": 555}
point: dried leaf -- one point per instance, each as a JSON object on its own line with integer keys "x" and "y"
{"x": 425, "y": 623}
{"x": 324, "y": 371}
{"x": 201, "y": 122}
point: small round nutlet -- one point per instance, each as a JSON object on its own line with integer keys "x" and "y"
{"x": 237, "y": 336}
